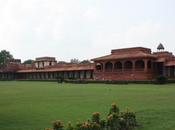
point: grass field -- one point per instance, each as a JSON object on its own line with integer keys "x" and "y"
{"x": 34, "y": 105}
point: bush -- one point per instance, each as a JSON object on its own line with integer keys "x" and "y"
{"x": 114, "y": 109}
{"x": 58, "y": 125}
{"x": 128, "y": 119}
{"x": 60, "y": 79}
{"x": 96, "y": 117}
{"x": 116, "y": 120}
{"x": 69, "y": 126}
{"x": 161, "y": 80}
{"x": 113, "y": 122}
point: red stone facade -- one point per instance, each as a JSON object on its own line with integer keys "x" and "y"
{"x": 135, "y": 63}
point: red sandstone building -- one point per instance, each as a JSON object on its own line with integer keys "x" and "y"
{"x": 135, "y": 63}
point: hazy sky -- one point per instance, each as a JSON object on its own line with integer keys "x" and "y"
{"x": 84, "y": 29}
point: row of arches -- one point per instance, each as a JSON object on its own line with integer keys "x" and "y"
{"x": 109, "y": 66}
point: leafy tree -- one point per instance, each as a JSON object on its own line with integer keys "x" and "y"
{"x": 75, "y": 61}
{"x": 4, "y": 57}
{"x": 28, "y": 61}
{"x": 85, "y": 62}
{"x": 62, "y": 62}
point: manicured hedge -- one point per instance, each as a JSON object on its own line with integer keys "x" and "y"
{"x": 158, "y": 80}
{"x": 107, "y": 82}
{"x": 161, "y": 80}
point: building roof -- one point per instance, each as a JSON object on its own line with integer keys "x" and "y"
{"x": 161, "y": 59}
{"x": 124, "y": 50}
{"x": 128, "y": 53}
{"x": 46, "y": 58}
{"x": 61, "y": 68}
{"x": 170, "y": 63}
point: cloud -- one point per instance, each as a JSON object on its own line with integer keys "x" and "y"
{"x": 80, "y": 29}
{"x": 30, "y": 25}
{"x": 143, "y": 32}
{"x": 90, "y": 14}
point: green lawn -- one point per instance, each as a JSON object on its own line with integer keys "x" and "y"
{"x": 34, "y": 105}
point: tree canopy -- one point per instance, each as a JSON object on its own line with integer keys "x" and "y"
{"x": 85, "y": 62}
{"x": 4, "y": 57}
{"x": 74, "y": 61}
{"x": 28, "y": 61}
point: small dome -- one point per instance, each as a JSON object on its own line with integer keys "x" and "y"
{"x": 160, "y": 47}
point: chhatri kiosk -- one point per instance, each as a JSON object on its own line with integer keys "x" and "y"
{"x": 135, "y": 63}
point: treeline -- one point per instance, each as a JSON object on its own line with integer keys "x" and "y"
{"x": 5, "y": 56}
{"x": 76, "y": 61}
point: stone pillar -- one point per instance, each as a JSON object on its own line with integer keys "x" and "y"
{"x": 88, "y": 74}
{"x": 28, "y": 76}
{"x": 56, "y": 75}
{"x": 73, "y": 74}
{"x": 85, "y": 74}
{"x": 65, "y": 74}
{"x": 42, "y": 75}
{"x": 169, "y": 71}
{"x": 51, "y": 75}
{"x": 103, "y": 69}
{"x": 47, "y": 76}
{"x": 123, "y": 66}
{"x": 38, "y": 75}
{"x": 146, "y": 65}
{"x": 61, "y": 74}
{"x": 164, "y": 71}
{"x": 113, "y": 62}
{"x": 133, "y": 65}
{"x": 92, "y": 74}
{"x": 81, "y": 74}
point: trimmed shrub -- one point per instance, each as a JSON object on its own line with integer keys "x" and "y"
{"x": 113, "y": 122}
{"x": 58, "y": 125}
{"x": 114, "y": 109}
{"x": 69, "y": 126}
{"x": 60, "y": 79}
{"x": 96, "y": 117}
{"x": 128, "y": 119}
{"x": 161, "y": 80}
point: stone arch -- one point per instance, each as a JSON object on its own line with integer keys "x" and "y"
{"x": 118, "y": 65}
{"x": 99, "y": 66}
{"x": 149, "y": 64}
{"x": 139, "y": 64}
{"x": 108, "y": 66}
{"x": 128, "y": 65}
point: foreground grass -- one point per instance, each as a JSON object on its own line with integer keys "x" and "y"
{"x": 34, "y": 105}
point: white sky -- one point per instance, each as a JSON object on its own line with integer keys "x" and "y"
{"x": 84, "y": 29}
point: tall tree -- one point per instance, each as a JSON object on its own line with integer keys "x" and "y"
{"x": 28, "y": 61}
{"x": 74, "y": 61}
{"x": 4, "y": 57}
{"x": 62, "y": 62}
{"x": 85, "y": 62}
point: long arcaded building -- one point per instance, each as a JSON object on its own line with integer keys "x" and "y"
{"x": 137, "y": 63}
